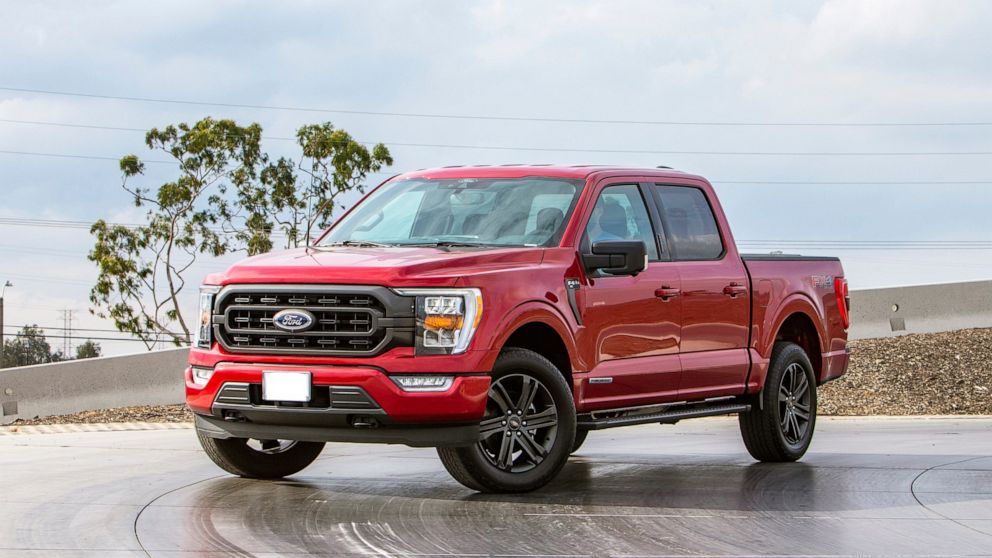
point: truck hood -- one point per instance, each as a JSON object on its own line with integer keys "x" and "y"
{"x": 393, "y": 266}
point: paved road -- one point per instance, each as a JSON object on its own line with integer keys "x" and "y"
{"x": 878, "y": 487}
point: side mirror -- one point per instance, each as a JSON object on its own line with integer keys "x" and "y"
{"x": 617, "y": 257}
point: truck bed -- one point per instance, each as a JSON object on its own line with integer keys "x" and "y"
{"x": 784, "y": 284}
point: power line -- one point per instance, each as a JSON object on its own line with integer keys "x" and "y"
{"x": 96, "y": 330}
{"x": 116, "y": 128}
{"x": 132, "y": 340}
{"x": 508, "y": 147}
{"x": 450, "y": 116}
{"x": 72, "y": 156}
{"x": 575, "y": 150}
{"x": 953, "y": 243}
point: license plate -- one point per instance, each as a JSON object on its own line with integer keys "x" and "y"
{"x": 286, "y": 386}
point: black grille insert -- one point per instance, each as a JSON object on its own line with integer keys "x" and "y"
{"x": 347, "y": 322}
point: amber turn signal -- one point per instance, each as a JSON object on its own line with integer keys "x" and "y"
{"x": 443, "y": 322}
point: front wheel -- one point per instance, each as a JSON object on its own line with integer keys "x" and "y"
{"x": 260, "y": 459}
{"x": 780, "y": 425}
{"x": 580, "y": 438}
{"x": 527, "y": 432}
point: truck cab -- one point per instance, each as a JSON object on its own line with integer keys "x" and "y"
{"x": 500, "y": 314}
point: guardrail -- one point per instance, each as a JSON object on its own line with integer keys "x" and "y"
{"x": 920, "y": 309}
{"x": 156, "y": 378}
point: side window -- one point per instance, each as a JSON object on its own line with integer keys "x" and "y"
{"x": 620, "y": 214}
{"x": 690, "y": 225}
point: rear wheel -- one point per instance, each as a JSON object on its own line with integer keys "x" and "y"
{"x": 260, "y": 459}
{"x": 528, "y": 430}
{"x": 780, "y": 425}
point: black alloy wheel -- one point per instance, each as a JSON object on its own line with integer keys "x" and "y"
{"x": 521, "y": 423}
{"x": 779, "y": 427}
{"x": 794, "y": 403}
{"x": 526, "y": 432}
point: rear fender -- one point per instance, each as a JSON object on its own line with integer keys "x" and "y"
{"x": 762, "y": 350}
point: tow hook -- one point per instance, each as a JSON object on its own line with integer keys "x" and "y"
{"x": 364, "y": 422}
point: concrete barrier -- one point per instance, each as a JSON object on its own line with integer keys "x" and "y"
{"x": 920, "y": 309}
{"x": 154, "y": 378}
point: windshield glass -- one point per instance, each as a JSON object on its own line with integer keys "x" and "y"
{"x": 467, "y": 211}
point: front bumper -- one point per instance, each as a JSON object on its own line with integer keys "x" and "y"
{"x": 412, "y": 435}
{"x": 350, "y": 404}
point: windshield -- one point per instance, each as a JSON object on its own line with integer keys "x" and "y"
{"x": 467, "y": 211}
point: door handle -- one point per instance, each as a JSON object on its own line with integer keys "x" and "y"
{"x": 734, "y": 290}
{"x": 667, "y": 293}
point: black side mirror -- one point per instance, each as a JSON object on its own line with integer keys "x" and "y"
{"x": 617, "y": 257}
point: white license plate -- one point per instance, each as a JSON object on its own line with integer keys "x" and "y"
{"x": 286, "y": 386}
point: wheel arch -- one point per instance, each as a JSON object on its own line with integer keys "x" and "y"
{"x": 538, "y": 327}
{"x": 799, "y": 327}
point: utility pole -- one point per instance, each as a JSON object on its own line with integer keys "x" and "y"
{"x": 67, "y": 316}
{"x": 3, "y": 289}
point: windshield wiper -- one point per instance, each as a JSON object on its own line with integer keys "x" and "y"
{"x": 361, "y": 244}
{"x": 450, "y": 243}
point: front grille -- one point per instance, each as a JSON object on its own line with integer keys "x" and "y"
{"x": 357, "y": 321}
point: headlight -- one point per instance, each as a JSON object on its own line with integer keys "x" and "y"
{"x": 204, "y": 328}
{"x": 446, "y": 319}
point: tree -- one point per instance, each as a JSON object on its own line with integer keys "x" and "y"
{"x": 28, "y": 347}
{"x": 334, "y": 164}
{"x": 141, "y": 269}
{"x": 88, "y": 349}
{"x": 228, "y": 197}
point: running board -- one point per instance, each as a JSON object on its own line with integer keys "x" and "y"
{"x": 587, "y": 422}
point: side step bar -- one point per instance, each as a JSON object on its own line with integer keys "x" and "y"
{"x": 588, "y": 422}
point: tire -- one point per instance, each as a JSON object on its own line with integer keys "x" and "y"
{"x": 774, "y": 429}
{"x": 580, "y": 438}
{"x": 238, "y": 456}
{"x": 511, "y": 457}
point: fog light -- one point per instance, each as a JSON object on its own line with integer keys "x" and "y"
{"x": 424, "y": 383}
{"x": 202, "y": 375}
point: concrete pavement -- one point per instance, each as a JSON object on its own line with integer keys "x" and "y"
{"x": 896, "y": 487}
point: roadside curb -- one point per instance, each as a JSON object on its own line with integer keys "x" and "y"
{"x": 94, "y": 427}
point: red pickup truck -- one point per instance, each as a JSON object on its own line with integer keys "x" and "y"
{"x": 500, "y": 313}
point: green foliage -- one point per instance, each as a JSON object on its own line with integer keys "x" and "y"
{"x": 228, "y": 196}
{"x": 28, "y": 347}
{"x": 141, "y": 269}
{"x": 333, "y": 164}
{"x": 88, "y": 349}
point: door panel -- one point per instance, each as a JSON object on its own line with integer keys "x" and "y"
{"x": 633, "y": 327}
{"x": 715, "y": 298}
{"x": 636, "y": 335}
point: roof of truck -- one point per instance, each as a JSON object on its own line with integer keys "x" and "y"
{"x": 557, "y": 171}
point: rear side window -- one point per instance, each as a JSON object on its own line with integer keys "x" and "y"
{"x": 689, "y": 221}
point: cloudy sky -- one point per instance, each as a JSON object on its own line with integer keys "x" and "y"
{"x": 680, "y": 83}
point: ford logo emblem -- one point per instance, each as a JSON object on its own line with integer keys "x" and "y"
{"x": 293, "y": 320}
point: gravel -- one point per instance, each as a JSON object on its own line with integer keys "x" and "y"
{"x": 150, "y": 413}
{"x": 926, "y": 374}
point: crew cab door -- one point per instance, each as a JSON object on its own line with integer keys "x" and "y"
{"x": 631, "y": 323}
{"x": 715, "y": 292}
